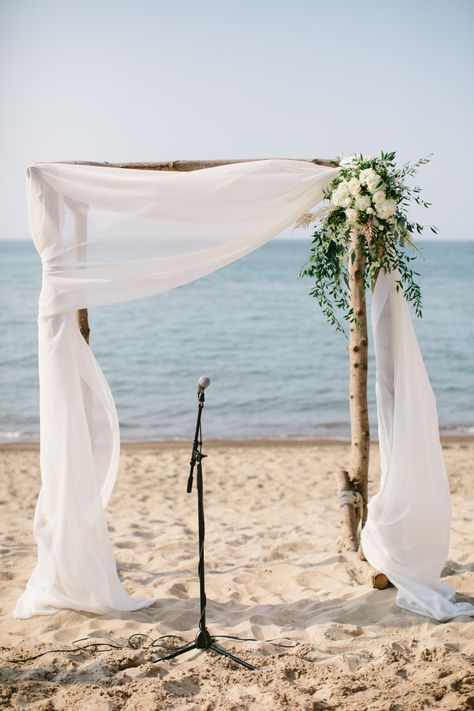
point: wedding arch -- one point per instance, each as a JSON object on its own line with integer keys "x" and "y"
{"x": 114, "y": 232}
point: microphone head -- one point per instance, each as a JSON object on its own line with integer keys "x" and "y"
{"x": 204, "y": 382}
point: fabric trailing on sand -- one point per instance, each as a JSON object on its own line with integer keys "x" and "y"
{"x": 107, "y": 235}
{"x": 407, "y": 531}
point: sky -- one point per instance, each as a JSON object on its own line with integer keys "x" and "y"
{"x": 150, "y": 80}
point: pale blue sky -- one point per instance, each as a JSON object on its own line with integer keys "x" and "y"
{"x": 154, "y": 80}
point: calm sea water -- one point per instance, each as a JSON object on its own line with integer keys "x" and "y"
{"x": 277, "y": 369}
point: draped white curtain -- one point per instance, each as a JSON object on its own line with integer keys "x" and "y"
{"x": 107, "y": 235}
{"x": 406, "y": 535}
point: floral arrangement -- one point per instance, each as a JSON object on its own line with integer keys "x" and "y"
{"x": 368, "y": 200}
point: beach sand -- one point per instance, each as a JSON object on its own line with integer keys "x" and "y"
{"x": 273, "y": 573}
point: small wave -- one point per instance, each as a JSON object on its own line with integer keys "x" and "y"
{"x": 448, "y": 430}
{"x": 6, "y": 437}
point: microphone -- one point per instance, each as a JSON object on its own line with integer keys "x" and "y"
{"x": 203, "y": 383}
{"x": 197, "y": 455}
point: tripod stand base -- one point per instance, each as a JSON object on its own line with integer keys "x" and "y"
{"x": 204, "y": 641}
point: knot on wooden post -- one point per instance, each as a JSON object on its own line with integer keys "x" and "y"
{"x": 349, "y": 502}
{"x": 351, "y": 498}
{"x": 351, "y": 505}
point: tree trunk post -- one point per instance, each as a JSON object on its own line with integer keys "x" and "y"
{"x": 353, "y": 485}
{"x": 80, "y": 232}
{"x": 83, "y": 321}
{"x": 358, "y": 349}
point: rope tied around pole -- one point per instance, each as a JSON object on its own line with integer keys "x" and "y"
{"x": 351, "y": 497}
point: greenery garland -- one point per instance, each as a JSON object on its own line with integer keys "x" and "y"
{"x": 368, "y": 195}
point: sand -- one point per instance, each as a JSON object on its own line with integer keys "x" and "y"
{"x": 273, "y": 572}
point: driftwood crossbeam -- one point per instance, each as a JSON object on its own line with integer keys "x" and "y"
{"x": 187, "y": 165}
{"x": 353, "y": 485}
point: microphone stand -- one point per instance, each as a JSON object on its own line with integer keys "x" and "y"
{"x": 203, "y": 639}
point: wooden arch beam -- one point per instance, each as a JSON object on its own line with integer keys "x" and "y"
{"x": 188, "y": 165}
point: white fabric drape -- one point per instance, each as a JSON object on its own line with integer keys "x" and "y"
{"x": 407, "y": 532}
{"x": 107, "y": 235}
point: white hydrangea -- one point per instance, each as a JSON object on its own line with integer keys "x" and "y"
{"x": 351, "y": 215}
{"x": 364, "y": 174}
{"x": 354, "y": 186}
{"x": 373, "y": 182}
{"x": 379, "y": 197}
{"x": 371, "y": 178}
{"x": 363, "y": 202}
{"x": 341, "y": 196}
{"x": 386, "y": 209}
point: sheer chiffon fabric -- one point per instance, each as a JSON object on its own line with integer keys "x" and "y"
{"x": 107, "y": 235}
{"x": 407, "y": 532}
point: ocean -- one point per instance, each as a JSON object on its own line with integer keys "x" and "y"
{"x": 278, "y": 370}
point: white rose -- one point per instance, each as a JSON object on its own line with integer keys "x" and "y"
{"x": 351, "y": 215}
{"x": 349, "y": 161}
{"x": 363, "y": 202}
{"x": 378, "y": 197}
{"x": 354, "y": 186}
{"x": 369, "y": 210}
{"x": 386, "y": 209}
{"x": 346, "y": 162}
{"x": 347, "y": 202}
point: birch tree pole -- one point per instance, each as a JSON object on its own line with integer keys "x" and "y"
{"x": 358, "y": 367}
{"x": 364, "y": 228}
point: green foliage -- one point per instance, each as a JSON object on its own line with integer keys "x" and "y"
{"x": 371, "y": 196}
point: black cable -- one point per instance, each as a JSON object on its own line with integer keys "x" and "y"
{"x": 294, "y": 643}
{"x": 153, "y": 643}
{"x": 99, "y": 647}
